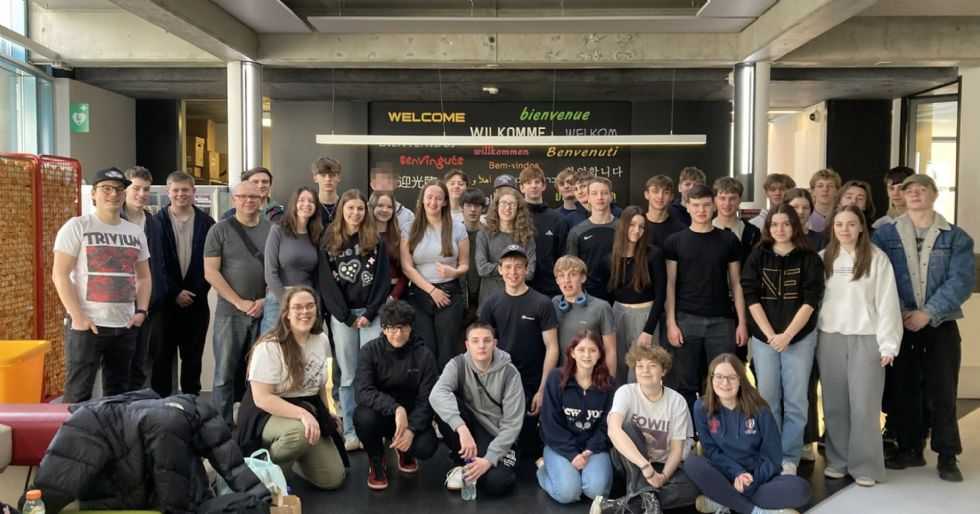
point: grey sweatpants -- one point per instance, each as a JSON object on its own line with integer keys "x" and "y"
{"x": 629, "y": 326}
{"x": 853, "y": 382}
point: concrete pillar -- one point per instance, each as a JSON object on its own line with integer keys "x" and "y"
{"x": 244, "y": 118}
{"x": 968, "y": 218}
{"x": 752, "y": 129}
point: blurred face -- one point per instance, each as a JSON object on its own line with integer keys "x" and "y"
{"x": 802, "y": 208}
{"x": 382, "y": 181}
{"x": 586, "y": 355}
{"x": 919, "y": 197}
{"x": 181, "y": 194}
{"x": 775, "y": 194}
{"x": 658, "y": 198}
{"x": 533, "y": 190}
{"x": 895, "y": 194}
{"x": 600, "y": 197}
{"x": 570, "y": 282}
{"x": 855, "y": 196}
{"x": 384, "y": 209}
{"x": 305, "y": 206}
{"x": 685, "y": 185}
{"x": 472, "y": 212}
{"x": 701, "y": 209}
{"x": 138, "y": 193}
{"x": 354, "y": 211}
{"x": 327, "y": 181}
{"x": 263, "y": 182}
{"x": 727, "y": 203}
{"x": 847, "y": 227}
{"x": 824, "y": 191}
{"x": 456, "y": 186}
{"x": 513, "y": 270}
{"x": 397, "y": 335}
{"x": 781, "y": 229}
{"x": 109, "y": 193}
{"x": 246, "y": 198}
{"x": 635, "y": 232}
{"x": 480, "y": 344}
{"x": 507, "y": 208}
{"x": 302, "y": 312}
{"x": 432, "y": 200}
{"x": 725, "y": 382}
{"x": 567, "y": 188}
{"x": 649, "y": 372}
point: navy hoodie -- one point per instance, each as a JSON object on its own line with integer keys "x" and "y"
{"x": 550, "y": 237}
{"x": 737, "y": 444}
{"x": 572, "y": 419}
{"x": 193, "y": 281}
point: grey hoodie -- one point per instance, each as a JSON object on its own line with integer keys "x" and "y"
{"x": 502, "y": 381}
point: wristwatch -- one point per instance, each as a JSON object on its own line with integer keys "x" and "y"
{"x": 141, "y": 311}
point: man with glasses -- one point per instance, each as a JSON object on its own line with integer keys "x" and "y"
{"x": 268, "y": 208}
{"x": 102, "y": 274}
{"x": 234, "y": 266}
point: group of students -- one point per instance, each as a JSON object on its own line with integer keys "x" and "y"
{"x": 560, "y": 306}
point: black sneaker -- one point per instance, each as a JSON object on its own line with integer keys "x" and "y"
{"x": 603, "y": 505}
{"x": 650, "y": 503}
{"x": 948, "y": 470}
{"x": 905, "y": 458}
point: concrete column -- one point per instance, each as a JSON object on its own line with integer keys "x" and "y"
{"x": 244, "y": 118}
{"x": 752, "y": 129}
{"x": 968, "y": 218}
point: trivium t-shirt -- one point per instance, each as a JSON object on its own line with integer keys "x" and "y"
{"x": 660, "y": 422}
{"x": 268, "y": 366}
{"x": 104, "y": 276}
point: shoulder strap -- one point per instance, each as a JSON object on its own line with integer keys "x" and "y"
{"x": 247, "y": 241}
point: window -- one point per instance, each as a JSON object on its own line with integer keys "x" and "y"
{"x": 933, "y": 139}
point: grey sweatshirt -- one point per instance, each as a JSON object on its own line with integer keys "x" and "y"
{"x": 502, "y": 381}
{"x": 289, "y": 261}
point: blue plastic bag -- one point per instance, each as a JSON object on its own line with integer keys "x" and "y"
{"x": 269, "y": 473}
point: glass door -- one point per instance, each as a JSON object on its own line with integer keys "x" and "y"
{"x": 932, "y": 147}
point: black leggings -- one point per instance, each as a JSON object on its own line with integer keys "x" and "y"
{"x": 372, "y": 427}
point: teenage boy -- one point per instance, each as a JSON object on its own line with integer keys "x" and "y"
{"x": 592, "y": 240}
{"x": 480, "y": 407}
{"x": 268, "y": 208}
{"x": 527, "y": 327}
{"x": 565, "y": 182}
{"x": 386, "y": 179}
{"x": 896, "y": 197}
{"x": 185, "y": 314}
{"x": 775, "y": 186}
{"x": 823, "y": 185}
{"x": 934, "y": 266}
{"x": 101, "y": 272}
{"x": 703, "y": 264}
{"x": 728, "y": 197}
{"x": 576, "y": 310}
{"x": 235, "y": 268}
{"x": 690, "y": 176}
{"x": 135, "y": 211}
{"x": 550, "y": 230}
{"x": 580, "y": 183}
{"x": 456, "y": 183}
{"x": 473, "y": 202}
{"x": 327, "y": 175}
{"x": 659, "y": 192}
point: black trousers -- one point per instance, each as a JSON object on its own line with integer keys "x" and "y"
{"x": 499, "y": 479}
{"x": 927, "y": 371}
{"x": 184, "y": 330}
{"x": 372, "y": 427}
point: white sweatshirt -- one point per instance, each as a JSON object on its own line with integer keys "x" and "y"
{"x": 868, "y": 306}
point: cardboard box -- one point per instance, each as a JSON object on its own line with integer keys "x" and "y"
{"x": 223, "y": 166}
{"x": 198, "y": 172}
{"x": 286, "y": 505}
{"x": 213, "y": 165}
{"x": 203, "y": 129}
{"x": 195, "y": 151}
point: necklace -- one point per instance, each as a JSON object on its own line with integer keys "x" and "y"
{"x": 330, "y": 210}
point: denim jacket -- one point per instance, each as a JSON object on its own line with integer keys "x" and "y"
{"x": 937, "y": 280}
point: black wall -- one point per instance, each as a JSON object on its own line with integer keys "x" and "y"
{"x": 710, "y": 118}
{"x": 859, "y": 143}
{"x": 158, "y": 137}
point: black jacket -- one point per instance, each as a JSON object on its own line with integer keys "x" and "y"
{"x": 550, "y": 237}
{"x": 354, "y": 281}
{"x": 193, "y": 281}
{"x": 389, "y": 377}
{"x": 137, "y": 451}
{"x": 154, "y": 242}
{"x": 783, "y": 284}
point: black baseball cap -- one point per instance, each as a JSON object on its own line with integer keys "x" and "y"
{"x": 512, "y": 250}
{"x": 111, "y": 173}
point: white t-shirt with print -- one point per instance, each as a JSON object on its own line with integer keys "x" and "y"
{"x": 104, "y": 275}
{"x": 269, "y": 367}
{"x": 660, "y": 422}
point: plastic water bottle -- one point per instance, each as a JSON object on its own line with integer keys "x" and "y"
{"x": 33, "y": 505}
{"x": 469, "y": 486}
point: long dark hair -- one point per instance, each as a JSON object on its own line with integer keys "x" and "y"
{"x": 600, "y": 373}
{"x": 314, "y": 226}
{"x": 282, "y": 334}
{"x": 863, "y": 249}
{"x": 337, "y": 233}
{"x": 799, "y": 239}
{"x": 748, "y": 400}
{"x": 621, "y": 243}
{"x": 417, "y": 231}
{"x": 392, "y": 228}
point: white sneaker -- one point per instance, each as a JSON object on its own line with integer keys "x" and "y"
{"x": 352, "y": 444}
{"x": 807, "y": 454}
{"x": 709, "y": 506}
{"x": 864, "y": 481}
{"x": 454, "y": 479}
{"x": 775, "y": 511}
{"x": 539, "y": 463}
{"x": 789, "y": 468}
{"x": 833, "y": 473}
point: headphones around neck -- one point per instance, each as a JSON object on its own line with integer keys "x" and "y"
{"x": 564, "y": 306}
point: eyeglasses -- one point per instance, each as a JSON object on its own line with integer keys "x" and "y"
{"x": 248, "y": 198}
{"x": 397, "y": 329}
{"x": 310, "y": 307}
{"x": 508, "y": 205}
{"x": 108, "y": 190}
{"x": 731, "y": 379}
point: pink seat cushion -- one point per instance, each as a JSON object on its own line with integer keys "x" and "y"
{"x": 33, "y": 426}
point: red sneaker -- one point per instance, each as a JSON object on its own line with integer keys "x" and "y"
{"x": 406, "y": 464}
{"x": 377, "y": 473}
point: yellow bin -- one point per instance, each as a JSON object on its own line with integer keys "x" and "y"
{"x": 22, "y": 370}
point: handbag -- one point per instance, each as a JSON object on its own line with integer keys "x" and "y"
{"x": 268, "y": 472}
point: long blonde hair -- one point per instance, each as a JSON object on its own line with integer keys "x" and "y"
{"x": 523, "y": 229}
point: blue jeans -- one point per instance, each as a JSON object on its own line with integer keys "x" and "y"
{"x": 565, "y": 484}
{"x": 783, "y": 378}
{"x": 232, "y": 338}
{"x": 270, "y": 312}
{"x": 347, "y": 343}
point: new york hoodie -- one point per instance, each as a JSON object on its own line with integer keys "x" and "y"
{"x": 574, "y": 419}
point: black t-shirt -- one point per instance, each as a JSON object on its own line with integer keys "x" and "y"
{"x": 702, "y": 271}
{"x": 328, "y": 212}
{"x": 593, "y": 243}
{"x": 657, "y": 233}
{"x": 519, "y": 322}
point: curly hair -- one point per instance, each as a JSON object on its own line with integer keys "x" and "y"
{"x": 522, "y": 230}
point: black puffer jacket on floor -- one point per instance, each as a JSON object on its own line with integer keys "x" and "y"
{"x": 137, "y": 451}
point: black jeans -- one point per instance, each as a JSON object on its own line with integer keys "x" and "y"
{"x": 85, "y": 352}
{"x": 679, "y": 490}
{"x": 499, "y": 479}
{"x": 139, "y": 369}
{"x": 704, "y": 339}
{"x": 440, "y": 329}
{"x": 372, "y": 427}
{"x": 927, "y": 370}
{"x": 183, "y": 329}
